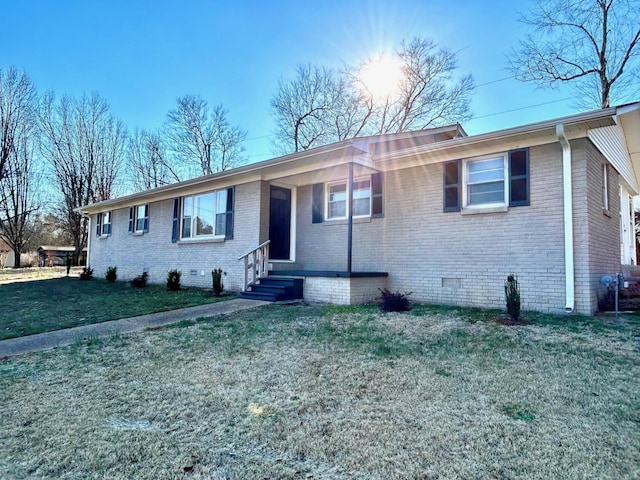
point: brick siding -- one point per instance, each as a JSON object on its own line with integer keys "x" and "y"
{"x": 153, "y": 252}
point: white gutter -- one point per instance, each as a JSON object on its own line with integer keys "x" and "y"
{"x": 89, "y": 236}
{"x": 568, "y": 219}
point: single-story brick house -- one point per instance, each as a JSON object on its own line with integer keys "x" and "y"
{"x": 435, "y": 212}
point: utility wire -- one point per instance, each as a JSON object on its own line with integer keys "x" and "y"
{"x": 522, "y": 108}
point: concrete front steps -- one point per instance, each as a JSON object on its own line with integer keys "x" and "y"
{"x": 275, "y": 289}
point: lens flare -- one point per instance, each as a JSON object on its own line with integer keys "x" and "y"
{"x": 381, "y": 76}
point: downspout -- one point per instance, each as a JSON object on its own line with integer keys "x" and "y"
{"x": 568, "y": 219}
{"x": 88, "y": 240}
{"x": 350, "y": 219}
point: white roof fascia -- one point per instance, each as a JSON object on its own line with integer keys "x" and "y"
{"x": 244, "y": 174}
{"x": 545, "y": 129}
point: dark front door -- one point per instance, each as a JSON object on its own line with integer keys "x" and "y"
{"x": 280, "y": 223}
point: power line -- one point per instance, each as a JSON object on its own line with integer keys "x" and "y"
{"x": 523, "y": 108}
{"x": 491, "y": 82}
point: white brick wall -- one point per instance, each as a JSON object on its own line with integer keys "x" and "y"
{"x": 430, "y": 253}
{"x": 155, "y": 253}
{"x": 448, "y": 258}
{"x": 597, "y": 233}
{"x": 343, "y": 291}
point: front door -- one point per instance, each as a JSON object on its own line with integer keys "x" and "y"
{"x": 280, "y": 223}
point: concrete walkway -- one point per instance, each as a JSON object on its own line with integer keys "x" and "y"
{"x": 44, "y": 341}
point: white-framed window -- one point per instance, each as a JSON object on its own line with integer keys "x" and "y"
{"x": 605, "y": 187}
{"x": 106, "y": 223}
{"x": 485, "y": 183}
{"x": 142, "y": 218}
{"x": 337, "y": 194}
{"x": 204, "y": 215}
{"x": 103, "y": 224}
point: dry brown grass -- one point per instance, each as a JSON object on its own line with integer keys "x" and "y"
{"x": 28, "y": 274}
{"x": 321, "y": 393}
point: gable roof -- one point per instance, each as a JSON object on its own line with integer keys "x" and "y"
{"x": 402, "y": 150}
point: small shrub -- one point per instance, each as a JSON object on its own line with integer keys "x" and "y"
{"x": 140, "y": 281}
{"x": 394, "y": 302}
{"x": 111, "y": 274}
{"x": 512, "y": 297}
{"x": 173, "y": 280}
{"x": 87, "y": 273}
{"x": 218, "y": 286}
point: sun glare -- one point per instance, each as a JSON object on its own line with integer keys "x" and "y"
{"x": 381, "y": 75}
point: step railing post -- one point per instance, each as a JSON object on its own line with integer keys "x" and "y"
{"x": 245, "y": 283}
{"x": 259, "y": 264}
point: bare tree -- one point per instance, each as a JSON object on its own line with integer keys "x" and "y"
{"x": 17, "y": 98}
{"x": 84, "y": 144}
{"x": 202, "y": 139}
{"x": 593, "y": 43}
{"x": 148, "y": 162}
{"x": 303, "y": 109}
{"x": 46, "y": 229}
{"x": 321, "y": 105}
{"x": 428, "y": 93}
{"x": 18, "y": 199}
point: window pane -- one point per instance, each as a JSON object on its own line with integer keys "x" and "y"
{"x": 187, "y": 206}
{"x": 361, "y": 198}
{"x": 221, "y": 222}
{"x": 486, "y": 193}
{"x": 361, "y": 207}
{"x": 204, "y": 214}
{"x": 186, "y": 227}
{"x": 337, "y": 202}
{"x": 337, "y": 193}
{"x": 221, "y": 201}
{"x": 337, "y": 209}
{"x": 486, "y": 170}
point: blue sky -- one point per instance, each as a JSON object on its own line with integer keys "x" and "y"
{"x": 141, "y": 55}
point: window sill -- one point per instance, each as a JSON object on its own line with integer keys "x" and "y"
{"x": 198, "y": 241}
{"x": 102, "y": 237}
{"x": 484, "y": 210}
{"x": 138, "y": 234}
{"x": 345, "y": 221}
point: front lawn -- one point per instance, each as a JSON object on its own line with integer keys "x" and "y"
{"x": 40, "y": 306}
{"x": 299, "y": 392}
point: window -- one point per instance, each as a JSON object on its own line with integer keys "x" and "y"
{"x": 605, "y": 187}
{"x": 493, "y": 181}
{"x": 337, "y": 195}
{"x": 485, "y": 182}
{"x": 204, "y": 216}
{"x": 139, "y": 219}
{"x": 103, "y": 224}
{"x": 142, "y": 218}
{"x": 337, "y": 203}
{"x": 106, "y": 223}
{"x": 330, "y": 200}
